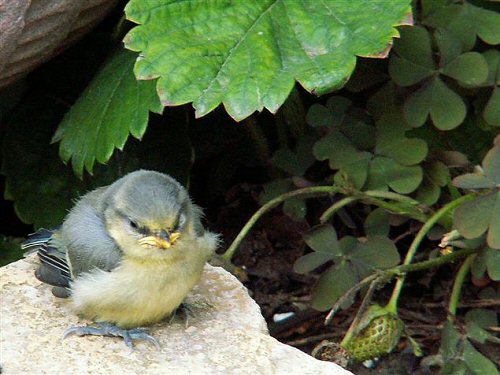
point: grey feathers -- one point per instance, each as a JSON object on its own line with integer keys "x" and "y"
{"x": 84, "y": 234}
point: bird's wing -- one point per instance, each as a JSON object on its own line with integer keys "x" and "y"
{"x": 89, "y": 245}
{"x": 53, "y": 268}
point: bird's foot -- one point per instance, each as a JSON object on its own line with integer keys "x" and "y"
{"x": 186, "y": 312}
{"x": 107, "y": 329}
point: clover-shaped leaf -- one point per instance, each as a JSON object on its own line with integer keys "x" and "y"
{"x": 113, "y": 106}
{"x": 469, "y": 68}
{"x": 413, "y": 59}
{"x": 358, "y": 260}
{"x": 459, "y": 356}
{"x": 352, "y": 259}
{"x": 436, "y": 176}
{"x": 385, "y": 172}
{"x": 343, "y": 155}
{"x": 466, "y": 21}
{"x": 332, "y": 284}
{"x": 488, "y": 178}
{"x": 295, "y": 163}
{"x": 475, "y": 217}
{"x": 330, "y": 114}
{"x": 491, "y": 111}
{"x": 377, "y": 252}
{"x": 345, "y": 147}
{"x": 448, "y": 44}
{"x": 392, "y": 142}
{"x": 488, "y": 260}
{"x": 323, "y": 240}
{"x": 377, "y": 223}
{"x": 435, "y": 99}
{"x": 478, "y": 320}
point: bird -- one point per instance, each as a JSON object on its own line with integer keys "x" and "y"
{"x": 126, "y": 255}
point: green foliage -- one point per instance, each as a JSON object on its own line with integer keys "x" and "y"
{"x": 483, "y": 213}
{"x": 44, "y": 189}
{"x": 373, "y": 157}
{"x": 458, "y": 356}
{"x": 413, "y": 62}
{"x": 113, "y": 105}
{"x": 247, "y": 55}
{"x": 10, "y": 250}
{"x": 388, "y": 146}
{"x": 39, "y": 183}
{"x": 353, "y": 259}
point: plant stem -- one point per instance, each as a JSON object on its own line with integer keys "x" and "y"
{"x": 457, "y": 286}
{"x": 337, "y": 206}
{"x": 308, "y": 192}
{"x": 359, "y": 314}
{"x": 386, "y": 275}
{"x": 392, "y": 196}
{"x": 375, "y": 197}
{"x": 392, "y": 305}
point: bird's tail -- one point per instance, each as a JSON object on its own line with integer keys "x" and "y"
{"x": 53, "y": 269}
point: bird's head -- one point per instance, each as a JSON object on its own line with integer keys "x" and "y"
{"x": 148, "y": 214}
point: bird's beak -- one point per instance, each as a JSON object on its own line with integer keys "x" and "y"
{"x": 162, "y": 240}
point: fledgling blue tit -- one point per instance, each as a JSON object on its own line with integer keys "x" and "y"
{"x": 126, "y": 254}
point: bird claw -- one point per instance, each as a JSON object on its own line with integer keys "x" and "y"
{"x": 186, "y": 311}
{"x": 107, "y": 329}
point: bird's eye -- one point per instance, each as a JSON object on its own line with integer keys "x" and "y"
{"x": 133, "y": 224}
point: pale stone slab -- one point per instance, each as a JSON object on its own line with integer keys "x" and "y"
{"x": 226, "y": 335}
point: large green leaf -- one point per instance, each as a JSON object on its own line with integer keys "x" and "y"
{"x": 112, "y": 106}
{"x": 248, "y": 54}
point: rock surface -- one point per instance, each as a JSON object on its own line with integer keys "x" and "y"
{"x": 226, "y": 334}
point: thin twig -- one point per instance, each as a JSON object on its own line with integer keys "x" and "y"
{"x": 308, "y": 192}
{"x": 359, "y": 314}
{"x": 386, "y": 275}
{"x": 428, "y": 225}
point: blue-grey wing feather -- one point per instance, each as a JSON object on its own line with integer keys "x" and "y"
{"x": 80, "y": 245}
{"x": 89, "y": 246}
